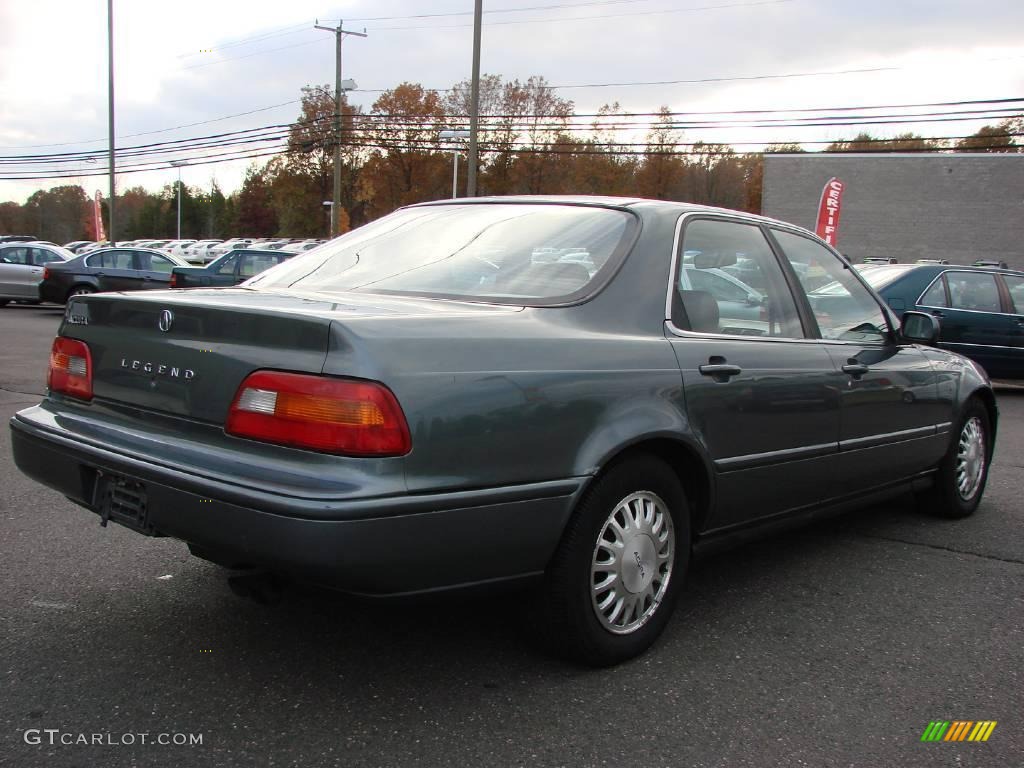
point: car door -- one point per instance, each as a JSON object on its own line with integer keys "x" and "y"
{"x": 1015, "y": 293}
{"x": 154, "y": 269}
{"x": 760, "y": 395}
{"x": 115, "y": 271}
{"x": 973, "y": 321}
{"x": 893, "y": 422}
{"x": 19, "y": 278}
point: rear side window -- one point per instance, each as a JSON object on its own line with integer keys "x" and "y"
{"x": 844, "y": 309}
{"x": 974, "y": 291}
{"x": 227, "y": 265}
{"x": 254, "y": 263}
{"x": 111, "y": 260}
{"x": 1016, "y": 287}
{"x": 935, "y": 296}
{"x": 41, "y": 256}
{"x": 756, "y": 303}
{"x": 501, "y": 252}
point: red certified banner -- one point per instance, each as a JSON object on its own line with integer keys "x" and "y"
{"x": 828, "y": 211}
{"x": 98, "y": 218}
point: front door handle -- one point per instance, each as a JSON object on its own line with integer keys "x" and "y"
{"x": 719, "y": 370}
{"x": 855, "y": 369}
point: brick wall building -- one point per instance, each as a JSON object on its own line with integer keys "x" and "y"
{"x": 959, "y": 206}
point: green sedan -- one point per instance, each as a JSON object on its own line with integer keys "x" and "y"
{"x": 498, "y": 392}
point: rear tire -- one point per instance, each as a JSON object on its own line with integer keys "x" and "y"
{"x": 963, "y": 471}
{"x": 610, "y": 589}
{"x": 79, "y": 290}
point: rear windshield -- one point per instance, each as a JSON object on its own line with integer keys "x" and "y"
{"x": 502, "y": 252}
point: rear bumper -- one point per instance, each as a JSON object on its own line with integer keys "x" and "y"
{"x": 377, "y": 546}
{"x": 53, "y": 292}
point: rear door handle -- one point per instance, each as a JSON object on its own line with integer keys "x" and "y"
{"x": 937, "y": 313}
{"x": 719, "y": 370}
{"x": 855, "y": 369}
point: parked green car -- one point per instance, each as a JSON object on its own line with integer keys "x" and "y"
{"x": 508, "y": 391}
{"x": 230, "y": 269}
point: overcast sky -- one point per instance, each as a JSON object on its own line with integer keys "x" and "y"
{"x": 191, "y": 61}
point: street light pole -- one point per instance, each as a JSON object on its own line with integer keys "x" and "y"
{"x": 454, "y": 135}
{"x": 339, "y": 34}
{"x": 110, "y": 114}
{"x": 177, "y": 164}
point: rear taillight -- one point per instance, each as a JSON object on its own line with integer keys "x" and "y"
{"x": 70, "y": 370}
{"x": 46, "y": 273}
{"x": 344, "y": 416}
{"x": 174, "y": 280}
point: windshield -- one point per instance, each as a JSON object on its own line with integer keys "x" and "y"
{"x": 504, "y": 252}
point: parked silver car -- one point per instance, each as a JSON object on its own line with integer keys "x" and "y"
{"x": 21, "y": 269}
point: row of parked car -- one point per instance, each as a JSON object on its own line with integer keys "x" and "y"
{"x": 980, "y": 307}
{"x": 198, "y": 251}
{"x": 36, "y": 271}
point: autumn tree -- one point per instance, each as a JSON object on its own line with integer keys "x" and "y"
{"x": 904, "y": 142}
{"x": 406, "y": 164}
{"x": 256, "y": 216}
{"x": 1004, "y": 137}
{"x": 661, "y": 170}
{"x": 309, "y": 161}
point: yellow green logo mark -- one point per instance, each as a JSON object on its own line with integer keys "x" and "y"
{"x": 958, "y": 730}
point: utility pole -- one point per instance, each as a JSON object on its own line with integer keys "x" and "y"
{"x": 339, "y": 34}
{"x": 110, "y": 114}
{"x": 474, "y": 102}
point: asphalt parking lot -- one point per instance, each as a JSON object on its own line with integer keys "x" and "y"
{"x": 831, "y": 646}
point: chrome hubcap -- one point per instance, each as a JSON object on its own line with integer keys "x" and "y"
{"x": 970, "y": 459}
{"x": 632, "y": 563}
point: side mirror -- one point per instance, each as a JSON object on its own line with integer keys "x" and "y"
{"x": 919, "y": 328}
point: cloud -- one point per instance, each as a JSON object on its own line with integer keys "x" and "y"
{"x": 188, "y": 61}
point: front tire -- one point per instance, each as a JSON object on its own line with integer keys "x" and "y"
{"x": 963, "y": 471}
{"x": 612, "y": 584}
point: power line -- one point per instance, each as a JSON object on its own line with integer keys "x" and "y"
{"x": 557, "y": 148}
{"x": 559, "y": 19}
{"x": 526, "y": 124}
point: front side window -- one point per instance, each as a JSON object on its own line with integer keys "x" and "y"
{"x": 498, "y": 252}
{"x": 762, "y": 305}
{"x": 844, "y": 309}
{"x": 975, "y": 291}
{"x": 157, "y": 263}
{"x": 14, "y": 255}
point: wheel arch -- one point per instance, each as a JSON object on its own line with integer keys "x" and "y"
{"x": 76, "y": 285}
{"x": 686, "y": 460}
{"x": 987, "y": 398}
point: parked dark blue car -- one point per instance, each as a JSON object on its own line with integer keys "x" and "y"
{"x": 980, "y": 309}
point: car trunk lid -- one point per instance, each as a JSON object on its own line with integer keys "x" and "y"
{"x": 185, "y": 353}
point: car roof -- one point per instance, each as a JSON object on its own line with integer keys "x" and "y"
{"x": 617, "y": 202}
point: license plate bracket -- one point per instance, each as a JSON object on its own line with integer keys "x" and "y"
{"x": 125, "y": 502}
